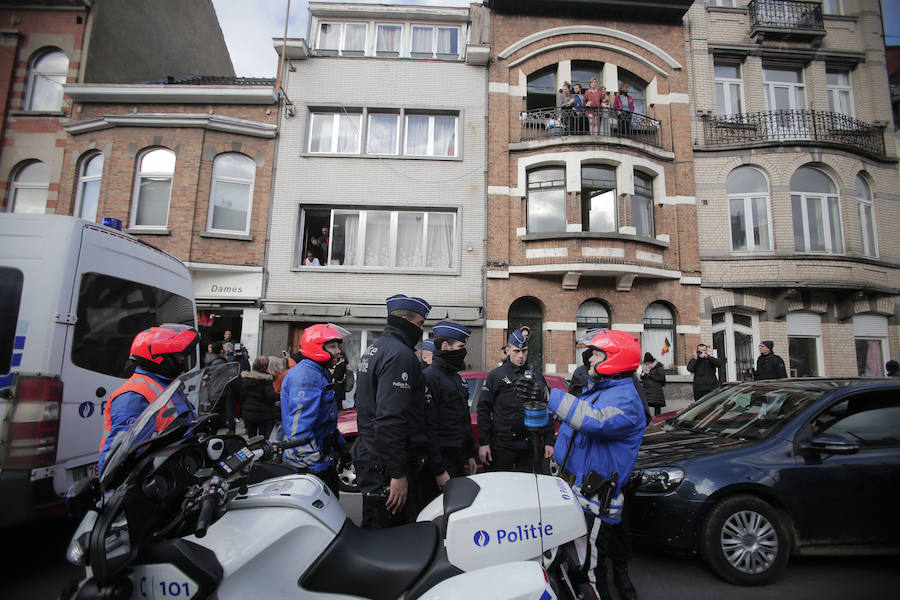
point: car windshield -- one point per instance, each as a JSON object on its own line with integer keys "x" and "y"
{"x": 748, "y": 411}
{"x": 160, "y": 414}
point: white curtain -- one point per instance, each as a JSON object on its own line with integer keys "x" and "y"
{"x": 440, "y": 240}
{"x": 409, "y": 239}
{"x": 355, "y": 37}
{"x": 320, "y": 139}
{"x": 378, "y": 238}
{"x": 351, "y": 231}
{"x": 447, "y": 41}
{"x": 445, "y": 136}
{"x": 348, "y": 136}
{"x": 382, "y": 134}
{"x": 659, "y": 343}
{"x": 388, "y": 39}
{"x": 329, "y": 36}
{"x": 423, "y": 39}
{"x": 417, "y": 135}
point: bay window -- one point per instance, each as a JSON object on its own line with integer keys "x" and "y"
{"x": 546, "y": 207}
{"x": 379, "y": 238}
{"x": 748, "y": 209}
{"x": 89, "y": 186}
{"x": 868, "y": 230}
{"x": 598, "y": 198}
{"x": 335, "y": 132}
{"x": 387, "y": 39}
{"x": 430, "y": 41}
{"x": 153, "y": 188}
{"x": 231, "y": 195}
{"x": 642, "y": 205}
{"x": 348, "y": 39}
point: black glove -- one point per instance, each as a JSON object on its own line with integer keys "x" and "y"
{"x": 339, "y": 372}
{"x": 529, "y": 389}
{"x": 346, "y": 457}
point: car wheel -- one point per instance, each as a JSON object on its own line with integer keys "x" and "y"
{"x": 347, "y": 473}
{"x": 745, "y": 540}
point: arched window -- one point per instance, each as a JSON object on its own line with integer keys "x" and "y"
{"x": 637, "y": 89}
{"x": 598, "y": 198}
{"x": 527, "y": 312}
{"x": 748, "y": 209}
{"x": 231, "y": 196}
{"x": 583, "y": 70}
{"x": 659, "y": 334}
{"x": 817, "y": 212}
{"x": 591, "y": 314}
{"x": 46, "y": 77}
{"x": 642, "y": 205}
{"x": 153, "y": 188}
{"x": 542, "y": 88}
{"x": 89, "y": 186}
{"x": 869, "y": 232}
{"x": 28, "y": 192}
{"x": 546, "y": 208}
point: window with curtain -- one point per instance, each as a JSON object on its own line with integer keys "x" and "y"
{"x": 868, "y": 230}
{"x": 383, "y": 133}
{"x": 816, "y": 212}
{"x": 723, "y": 3}
{"x": 748, "y": 210}
{"x": 89, "y": 175}
{"x": 335, "y": 132}
{"x": 153, "y": 188}
{"x": 387, "y": 39}
{"x": 434, "y": 41}
{"x": 658, "y": 337}
{"x": 870, "y": 332}
{"x": 46, "y": 77}
{"x": 598, "y": 198}
{"x": 546, "y": 206}
{"x": 833, "y": 7}
{"x": 231, "y": 196}
{"x": 729, "y": 89}
{"x": 840, "y": 94}
{"x": 385, "y": 238}
{"x": 346, "y": 38}
{"x": 642, "y": 205}
{"x": 29, "y": 187}
{"x": 431, "y": 135}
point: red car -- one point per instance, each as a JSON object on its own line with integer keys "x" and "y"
{"x": 474, "y": 379}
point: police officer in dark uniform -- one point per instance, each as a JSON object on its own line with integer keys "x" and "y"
{"x": 505, "y": 445}
{"x": 394, "y": 443}
{"x": 448, "y": 410}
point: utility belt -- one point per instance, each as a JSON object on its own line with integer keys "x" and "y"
{"x": 511, "y": 436}
{"x": 594, "y": 485}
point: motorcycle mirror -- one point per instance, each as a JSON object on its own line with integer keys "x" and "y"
{"x": 82, "y": 496}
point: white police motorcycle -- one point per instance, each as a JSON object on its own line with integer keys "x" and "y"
{"x": 180, "y": 517}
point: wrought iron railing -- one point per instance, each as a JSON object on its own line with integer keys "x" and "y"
{"x": 545, "y": 123}
{"x": 794, "y": 125}
{"x": 786, "y": 14}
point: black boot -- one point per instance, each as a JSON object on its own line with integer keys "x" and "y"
{"x": 623, "y": 582}
{"x": 601, "y": 584}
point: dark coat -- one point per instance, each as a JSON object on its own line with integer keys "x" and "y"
{"x": 770, "y": 366}
{"x": 500, "y": 408}
{"x": 653, "y": 383}
{"x": 258, "y": 397}
{"x": 706, "y": 373}
{"x": 448, "y": 410}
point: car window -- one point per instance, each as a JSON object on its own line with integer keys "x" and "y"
{"x": 870, "y": 419}
{"x": 10, "y": 297}
{"x": 474, "y": 385}
{"x": 111, "y": 311}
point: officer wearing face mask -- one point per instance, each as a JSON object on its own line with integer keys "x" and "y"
{"x": 395, "y": 445}
{"x": 448, "y": 410}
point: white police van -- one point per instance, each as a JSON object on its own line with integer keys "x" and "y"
{"x": 73, "y": 294}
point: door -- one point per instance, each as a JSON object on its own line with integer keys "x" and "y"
{"x": 527, "y": 312}
{"x": 785, "y": 93}
{"x": 850, "y": 500}
{"x": 110, "y": 309}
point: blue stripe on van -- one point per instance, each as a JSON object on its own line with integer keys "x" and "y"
{"x": 17, "y": 359}
{"x": 6, "y": 380}
{"x": 19, "y": 343}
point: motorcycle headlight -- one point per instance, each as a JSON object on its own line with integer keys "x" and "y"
{"x": 660, "y": 479}
{"x": 78, "y": 547}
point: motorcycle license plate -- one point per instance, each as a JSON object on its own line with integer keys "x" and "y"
{"x": 91, "y": 470}
{"x": 158, "y": 582}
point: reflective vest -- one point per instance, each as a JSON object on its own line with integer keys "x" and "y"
{"x": 138, "y": 383}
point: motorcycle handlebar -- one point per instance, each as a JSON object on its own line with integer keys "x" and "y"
{"x": 292, "y": 443}
{"x": 207, "y": 508}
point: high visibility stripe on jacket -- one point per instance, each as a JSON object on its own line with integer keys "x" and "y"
{"x": 137, "y": 383}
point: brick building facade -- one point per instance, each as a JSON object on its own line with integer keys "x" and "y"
{"x": 796, "y": 177}
{"x": 186, "y": 166}
{"x": 591, "y": 218}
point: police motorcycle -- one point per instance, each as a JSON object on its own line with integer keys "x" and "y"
{"x": 173, "y": 516}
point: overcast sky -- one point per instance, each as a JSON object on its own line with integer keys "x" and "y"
{"x": 250, "y": 25}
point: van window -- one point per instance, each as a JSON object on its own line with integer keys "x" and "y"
{"x": 111, "y": 311}
{"x": 10, "y": 297}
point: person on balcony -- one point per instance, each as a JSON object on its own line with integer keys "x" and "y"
{"x": 624, "y": 107}
{"x": 593, "y": 101}
{"x": 566, "y": 103}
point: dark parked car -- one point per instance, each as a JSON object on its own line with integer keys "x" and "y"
{"x": 474, "y": 380}
{"x": 757, "y": 472}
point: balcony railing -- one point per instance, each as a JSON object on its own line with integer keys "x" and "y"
{"x": 794, "y": 125}
{"x": 543, "y": 123}
{"x": 787, "y": 15}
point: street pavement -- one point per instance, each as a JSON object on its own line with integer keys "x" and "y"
{"x": 34, "y": 568}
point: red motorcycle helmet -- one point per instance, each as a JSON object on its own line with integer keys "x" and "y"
{"x": 316, "y": 336}
{"x": 163, "y": 349}
{"x": 623, "y": 352}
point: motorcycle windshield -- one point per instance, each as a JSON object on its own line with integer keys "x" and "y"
{"x": 168, "y": 411}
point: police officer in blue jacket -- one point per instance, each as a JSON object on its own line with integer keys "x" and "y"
{"x": 308, "y": 406}
{"x": 598, "y": 445}
{"x": 448, "y": 408}
{"x": 504, "y": 443}
{"x": 395, "y": 446}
